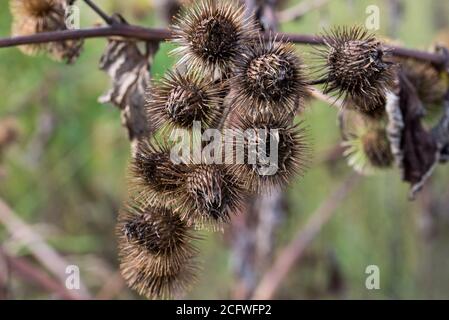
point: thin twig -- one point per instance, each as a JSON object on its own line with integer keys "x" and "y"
{"x": 25, "y": 235}
{"x": 100, "y": 12}
{"x": 121, "y": 30}
{"x": 295, "y": 249}
{"x": 147, "y": 34}
{"x": 300, "y": 10}
{"x": 30, "y": 273}
{"x": 5, "y": 272}
{"x": 254, "y": 234}
{"x": 319, "y": 95}
{"x": 317, "y": 82}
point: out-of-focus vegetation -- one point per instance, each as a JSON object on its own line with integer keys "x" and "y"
{"x": 67, "y": 174}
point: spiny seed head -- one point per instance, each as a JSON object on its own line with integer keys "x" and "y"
{"x": 180, "y": 99}
{"x": 156, "y": 250}
{"x": 356, "y": 67}
{"x": 153, "y": 173}
{"x": 36, "y": 16}
{"x": 369, "y": 150}
{"x": 269, "y": 79}
{"x": 210, "y": 34}
{"x": 373, "y": 109}
{"x": 274, "y": 152}
{"x": 209, "y": 195}
{"x": 35, "y": 8}
{"x": 157, "y": 230}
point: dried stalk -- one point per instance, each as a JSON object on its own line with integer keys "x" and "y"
{"x": 30, "y": 273}
{"x": 147, "y": 34}
{"x": 25, "y": 235}
{"x": 295, "y": 249}
{"x": 109, "y": 20}
{"x": 254, "y": 233}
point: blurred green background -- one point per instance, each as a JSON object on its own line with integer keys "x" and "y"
{"x": 66, "y": 175}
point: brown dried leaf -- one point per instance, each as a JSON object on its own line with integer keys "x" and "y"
{"x": 129, "y": 70}
{"x": 444, "y": 157}
{"x": 441, "y": 132}
{"x": 395, "y": 126}
{"x": 420, "y": 151}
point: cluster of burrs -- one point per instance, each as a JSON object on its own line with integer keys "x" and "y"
{"x": 234, "y": 78}
{"x": 374, "y": 89}
{"x": 249, "y": 86}
{"x": 358, "y": 71}
{"x": 230, "y": 79}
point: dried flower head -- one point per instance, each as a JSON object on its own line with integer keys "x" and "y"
{"x": 274, "y": 152}
{"x": 36, "y": 16}
{"x": 156, "y": 250}
{"x": 369, "y": 150}
{"x": 129, "y": 69}
{"x": 209, "y": 195}
{"x": 377, "y": 148}
{"x": 269, "y": 79}
{"x": 153, "y": 173}
{"x": 180, "y": 99}
{"x": 210, "y": 34}
{"x": 356, "y": 67}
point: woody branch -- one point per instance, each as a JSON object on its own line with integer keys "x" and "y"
{"x": 150, "y": 34}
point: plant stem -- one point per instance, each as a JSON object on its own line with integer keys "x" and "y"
{"x": 121, "y": 30}
{"x": 317, "y": 82}
{"x": 147, "y": 34}
{"x": 100, "y": 12}
{"x": 290, "y": 254}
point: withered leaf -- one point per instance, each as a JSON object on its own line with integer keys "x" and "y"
{"x": 444, "y": 154}
{"x": 395, "y": 125}
{"x": 420, "y": 151}
{"x": 441, "y": 132}
{"x": 129, "y": 70}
